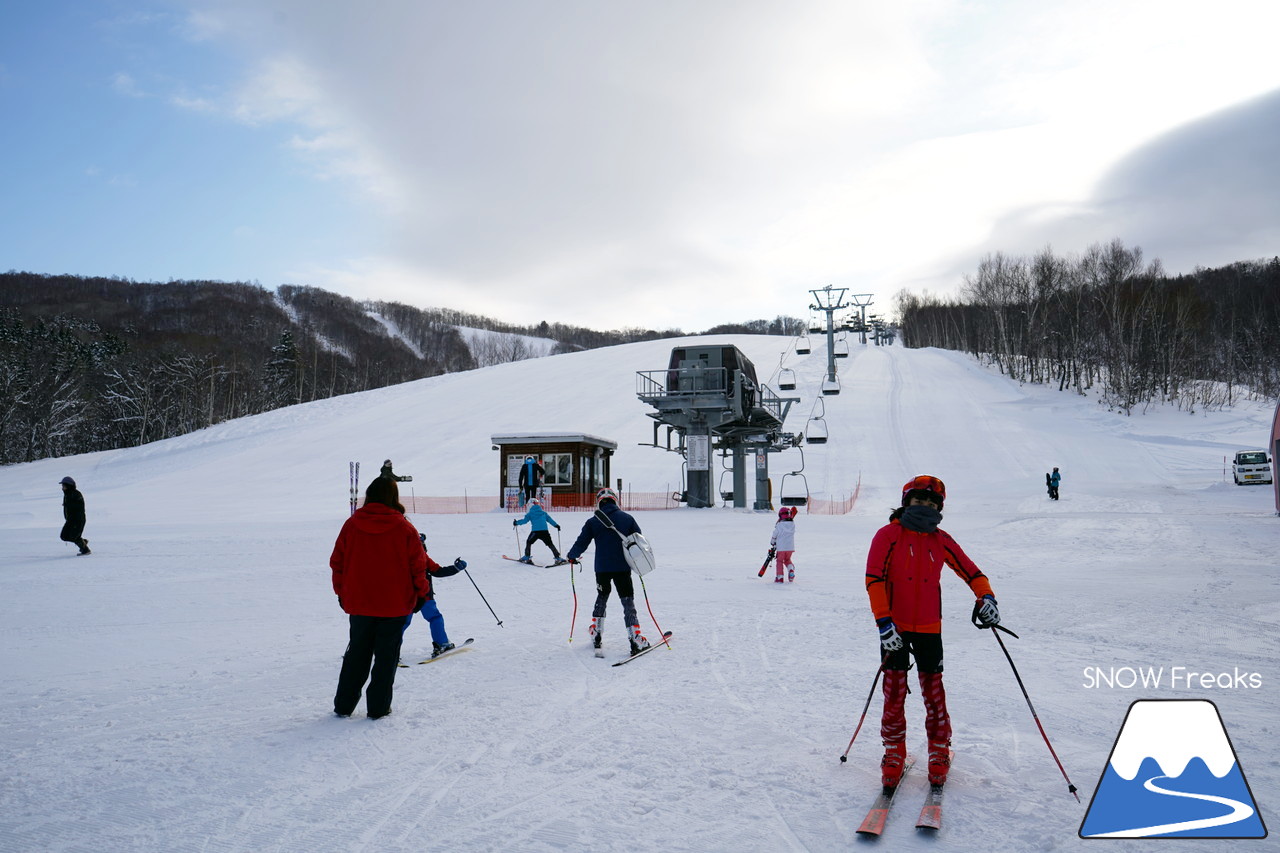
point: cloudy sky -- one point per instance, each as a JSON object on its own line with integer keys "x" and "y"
{"x": 647, "y": 163}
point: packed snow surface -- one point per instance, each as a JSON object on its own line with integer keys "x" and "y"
{"x": 173, "y": 691}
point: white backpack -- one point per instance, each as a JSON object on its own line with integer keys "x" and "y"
{"x": 635, "y": 548}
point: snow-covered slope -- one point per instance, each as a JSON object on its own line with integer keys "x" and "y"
{"x": 172, "y": 691}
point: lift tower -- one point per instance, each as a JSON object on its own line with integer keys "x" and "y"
{"x": 830, "y": 300}
{"x": 710, "y": 398}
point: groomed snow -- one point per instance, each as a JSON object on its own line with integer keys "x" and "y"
{"x": 173, "y": 690}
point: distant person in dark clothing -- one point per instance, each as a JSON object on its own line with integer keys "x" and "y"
{"x": 1054, "y": 479}
{"x": 388, "y": 473}
{"x": 73, "y": 513}
{"x": 531, "y": 474}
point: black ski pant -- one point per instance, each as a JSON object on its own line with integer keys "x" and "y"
{"x": 541, "y": 536}
{"x": 375, "y": 641}
{"x": 73, "y": 531}
{"x": 626, "y": 594}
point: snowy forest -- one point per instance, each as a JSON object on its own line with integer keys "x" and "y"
{"x": 1109, "y": 321}
{"x": 91, "y": 364}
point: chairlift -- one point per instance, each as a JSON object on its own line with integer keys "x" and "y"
{"x": 795, "y": 493}
{"x": 787, "y": 379}
{"x": 802, "y": 345}
{"x": 841, "y": 348}
{"x": 831, "y": 386}
{"x": 815, "y": 431}
{"x": 725, "y": 496}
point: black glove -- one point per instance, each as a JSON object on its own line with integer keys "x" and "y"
{"x": 418, "y": 607}
{"x": 515, "y": 522}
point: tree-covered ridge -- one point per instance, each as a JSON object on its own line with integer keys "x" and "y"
{"x": 1106, "y": 320}
{"x": 98, "y": 363}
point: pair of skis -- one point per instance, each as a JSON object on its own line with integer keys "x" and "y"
{"x": 562, "y": 562}
{"x": 458, "y": 648}
{"x": 930, "y": 819}
{"x": 353, "y": 469}
{"x": 666, "y": 635}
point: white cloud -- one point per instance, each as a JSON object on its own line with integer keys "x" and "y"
{"x": 698, "y": 161}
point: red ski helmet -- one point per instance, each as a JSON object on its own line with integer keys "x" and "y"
{"x": 784, "y": 514}
{"x": 924, "y": 483}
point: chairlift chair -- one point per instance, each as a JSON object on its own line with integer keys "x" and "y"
{"x": 841, "y": 348}
{"x": 787, "y": 379}
{"x": 831, "y": 386}
{"x": 795, "y": 493}
{"x": 802, "y": 345}
{"x": 815, "y": 431}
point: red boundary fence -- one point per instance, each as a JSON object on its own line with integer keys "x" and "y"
{"x": 563, "y": 502}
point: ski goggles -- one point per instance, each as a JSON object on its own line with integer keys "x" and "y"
{"x": 924, "y": 484}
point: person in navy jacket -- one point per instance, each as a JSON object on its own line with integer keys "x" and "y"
{"x": 612, "y": 568}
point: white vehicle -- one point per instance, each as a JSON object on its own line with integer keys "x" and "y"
{"x": 1251, "y": 466}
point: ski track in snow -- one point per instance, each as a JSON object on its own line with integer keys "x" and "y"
{"x": 173, "y": 691}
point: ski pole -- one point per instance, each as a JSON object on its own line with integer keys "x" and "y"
{"x": 1070, "y": 787}
{"x": 661, "y": 633}
{"x": 767, "y": 561}
{"x": 874, "y": 682}
{"x": 482, "y": 598}
{"x": 573, "y": 620}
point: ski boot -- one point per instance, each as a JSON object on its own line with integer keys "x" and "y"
{"x": 638, "y": 641}
{"x": 526, "y": 559}
{"x": 791, "y": 575}
{"x": 895, "y": 756}
{"x": 779, "y": 579}
{"x": 939, "y": 763}
{"x": 438, "y": 649}
{"x": 597, "y": 635}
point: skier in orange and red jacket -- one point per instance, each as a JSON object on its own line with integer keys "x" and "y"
{"x": 904, "y": 568}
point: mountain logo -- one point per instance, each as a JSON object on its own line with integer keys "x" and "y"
{"x": 1173, "y": 773}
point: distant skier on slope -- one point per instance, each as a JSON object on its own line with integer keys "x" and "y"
{"x": 538, "y": 519}
{"x": 1053, "y": 480}
{"x": 611, "y": 567}
{"x": 904, "y": 567}
{"x": 783, "y": 542}
{"x": 531, "y": 474}
{"x": 73, "y": 515}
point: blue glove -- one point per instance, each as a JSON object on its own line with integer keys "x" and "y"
{"x": 459, "y": 564}
{"x": 890, "y": 639}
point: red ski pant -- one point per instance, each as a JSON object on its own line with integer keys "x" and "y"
{"x": 927, "y": 649}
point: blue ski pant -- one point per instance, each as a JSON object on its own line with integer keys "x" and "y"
{"x": 435, "y": 619}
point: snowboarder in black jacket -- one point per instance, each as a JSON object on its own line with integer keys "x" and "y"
{"x": 73, "y": 514}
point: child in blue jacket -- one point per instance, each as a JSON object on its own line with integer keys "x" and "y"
{"x": 538, "y": 518}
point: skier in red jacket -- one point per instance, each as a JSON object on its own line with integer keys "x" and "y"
{"x": 904, "y": 567}
{"x": 380, "y": 578}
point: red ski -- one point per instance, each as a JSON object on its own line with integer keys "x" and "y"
{"x": 873, "y": 823}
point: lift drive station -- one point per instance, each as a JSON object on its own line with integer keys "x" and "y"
{"x": 710, "y": 397}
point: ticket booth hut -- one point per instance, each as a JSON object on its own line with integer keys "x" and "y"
{"x": 576, "y": 466}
